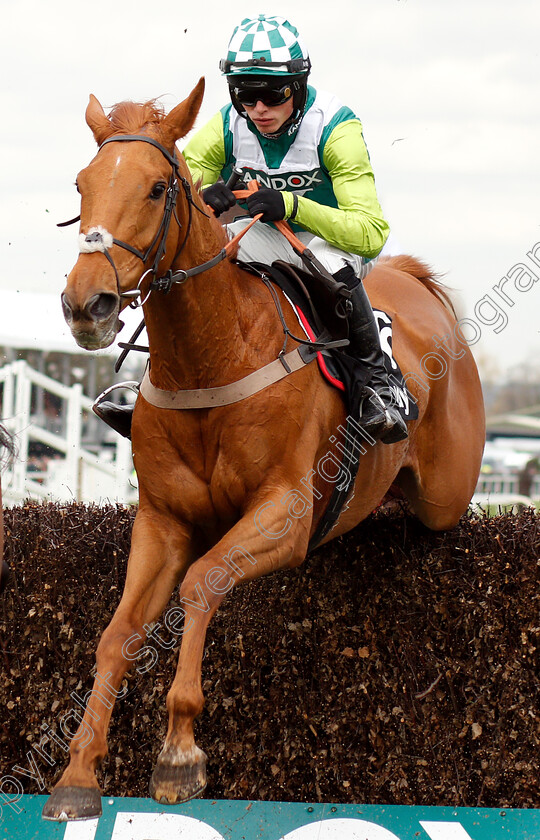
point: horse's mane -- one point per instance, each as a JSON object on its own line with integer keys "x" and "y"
{"x": 425, "y": 274}
{"x": 131, "y": 117}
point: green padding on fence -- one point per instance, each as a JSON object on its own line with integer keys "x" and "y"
{"x": 143, "y": 819}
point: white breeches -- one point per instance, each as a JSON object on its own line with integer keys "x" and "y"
{"x": 263, "y": 243}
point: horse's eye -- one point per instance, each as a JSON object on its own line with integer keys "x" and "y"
{"x": 158, "y": 190}
{"x": 77, "y": 186}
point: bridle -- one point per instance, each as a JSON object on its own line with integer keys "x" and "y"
{"x": 164, "y": 282}
{"x": 96, "y": 242}
{"x": 162, "y": 232}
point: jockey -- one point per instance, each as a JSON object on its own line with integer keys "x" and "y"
{"x": 308, "y": 154}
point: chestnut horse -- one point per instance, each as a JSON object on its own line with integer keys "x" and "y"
{"x": 219, "y": 488}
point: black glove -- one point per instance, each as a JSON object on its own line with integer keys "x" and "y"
{"x": 268, "y": 202}
{"x": 219, "y": 197}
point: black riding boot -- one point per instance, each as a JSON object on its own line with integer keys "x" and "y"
{"x": 380, "y": 417}
{"x": 118, "y": 417}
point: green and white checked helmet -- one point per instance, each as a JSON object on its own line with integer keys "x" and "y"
{"x": 266, "y": 51}
{"x": 267, "y": 45}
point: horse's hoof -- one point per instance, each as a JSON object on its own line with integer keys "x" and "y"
{"x": 72, "y": 803}
{"x": 175, "y": 783}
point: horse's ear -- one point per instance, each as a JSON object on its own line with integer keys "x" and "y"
{"x": 182, "y": 118}
{"x": 97, "y": 120}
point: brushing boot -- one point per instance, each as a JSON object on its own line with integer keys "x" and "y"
{"x": 380, "y": 416}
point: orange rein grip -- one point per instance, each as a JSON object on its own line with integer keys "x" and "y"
{"x": 232, "y": 243}
{"x": 288, "y": 233}
{"x": 282, "y": 225}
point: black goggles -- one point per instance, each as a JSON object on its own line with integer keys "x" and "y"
{"x": 267, "y": 95}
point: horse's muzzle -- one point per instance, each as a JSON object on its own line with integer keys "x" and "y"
{"x": 95, "y": 324}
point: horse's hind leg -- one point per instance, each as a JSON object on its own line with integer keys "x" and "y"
{"x": 158, "y": 558}
{"x": 441, "y": 475}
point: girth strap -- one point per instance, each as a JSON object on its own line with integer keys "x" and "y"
{"x": 227, "y": 394}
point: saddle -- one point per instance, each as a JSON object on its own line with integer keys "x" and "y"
{"x": 318, "y": 310}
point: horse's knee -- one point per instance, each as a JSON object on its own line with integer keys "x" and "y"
{"x": 120, "y": 639}
{"x": 199, "y": 589}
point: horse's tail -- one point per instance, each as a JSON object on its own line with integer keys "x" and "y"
{"x": 425, "y": 274}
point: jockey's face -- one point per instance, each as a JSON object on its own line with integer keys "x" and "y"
{"x": 269, "y": 119}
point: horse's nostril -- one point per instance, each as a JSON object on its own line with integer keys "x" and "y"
{"x": 66, "y": 308}
{"x": 100, "y": 307}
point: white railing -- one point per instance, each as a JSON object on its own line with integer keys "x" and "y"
{"x": 498, "y": 484}
{"x": 505, "y": 483}
{"x": 76, "y": 474}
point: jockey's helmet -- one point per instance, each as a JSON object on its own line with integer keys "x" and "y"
{"x": 266, "y": 55}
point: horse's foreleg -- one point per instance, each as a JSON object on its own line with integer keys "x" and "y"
{"x": 248, "y": 551}
{"x": 159, "y": 556}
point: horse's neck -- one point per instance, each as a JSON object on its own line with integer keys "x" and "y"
{"x": 205, "y": 332}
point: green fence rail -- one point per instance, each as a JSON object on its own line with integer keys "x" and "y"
{"x": 143, "y": 819}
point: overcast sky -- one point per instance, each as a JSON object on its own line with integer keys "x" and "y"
{"x": 448, "y": 93}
